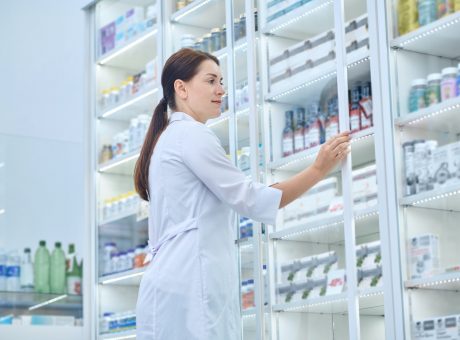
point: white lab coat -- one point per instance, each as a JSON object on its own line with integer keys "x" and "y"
{"x": 190, "y": 290}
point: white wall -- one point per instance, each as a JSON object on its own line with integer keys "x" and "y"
{"x": 42, "y": 118}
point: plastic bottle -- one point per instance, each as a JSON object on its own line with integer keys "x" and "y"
{"x": 355, "y": 113}
{"x": 288, "y": 134}
{"x": 314, "y": 133}
{"x": 365, "y": 105}
{"x": 433, "y": 91}
{"x": 139, "y": 256}
{"x": 42, "y": 269}
{"x": 13, "y": 272}
{"x": 417, "y": 95}
{"x": 332, "y": 124}
{"x": 250, "y": 293}
{"x": 73, "y": 274}
{"x": 299, "y": 130}
{"x": 58, "y": 270}
{"x": 27, "y": 271}
{"x": 445, "y": 7}
{"x": 130, "y": 259}
{"x": 456, "y": 5}
{"x": 104, "y": 323}
{"x": 407, "y": 16}
{"x": 427, "y": 12}
{"x": 3, "y": 260}
{"x": 458, "y": 78}
{"x": 449, "y": 83}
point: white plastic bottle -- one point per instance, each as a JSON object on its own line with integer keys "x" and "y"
{"x": 27, "y": 272}
{"x": 3, "y": 260}
{"x": 13, "y": 272}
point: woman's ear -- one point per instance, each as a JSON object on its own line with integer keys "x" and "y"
{"x": 180, "y": 89}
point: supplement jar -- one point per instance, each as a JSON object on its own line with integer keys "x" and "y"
{"x": 417, "y": 95}
{"x": 427, "y": 11}
{"x": 449, "y": 83}
{"x": 433, "y": 90}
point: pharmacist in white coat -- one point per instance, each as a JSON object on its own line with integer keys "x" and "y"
{"x": 190, "y": 290}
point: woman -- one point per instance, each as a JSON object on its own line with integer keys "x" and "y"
{"x": 190, "y": 289}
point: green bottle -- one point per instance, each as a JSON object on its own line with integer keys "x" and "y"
{"x": 73, "y": 273}
{"x": 42, "y": 269}
{"x": 57, "y": 272}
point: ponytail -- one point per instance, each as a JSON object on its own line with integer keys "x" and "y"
{"x": 141, "y": 170}
{"x": 182, "y": 65}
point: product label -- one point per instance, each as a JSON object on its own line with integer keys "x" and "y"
{"x": 314, "y": 136}
{"x": 366, "y": 113}
{"x": 13, "y": 271}
{"x": 448, "y": 89}
{"x": 355, "y": 121}
{"x": 2, "y": 270}
{"x": 298, "y": 141}
{"x": 288, "y": 145}
{"x": 433, "y": 94}
{"x": 410, "y": 174}
{"x": 332, "y": 129}
{"x": 74, "y": 285}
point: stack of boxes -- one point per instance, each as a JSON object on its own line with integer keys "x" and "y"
{"x": 369, "y": 265}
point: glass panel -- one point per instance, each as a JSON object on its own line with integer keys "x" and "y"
{"x": 364, "y": 171}
{"x": 308, "y": 240}
{"x": 33, "y": 181}
{"x": 427, "y": 148}
{"x": 127, "y": 90}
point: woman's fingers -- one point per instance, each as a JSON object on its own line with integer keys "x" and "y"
{"x": 339, "y": 139}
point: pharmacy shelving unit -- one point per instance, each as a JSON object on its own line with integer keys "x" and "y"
{"x": 323, "y": 306}
{"x": 115, "y": 101}
{"x": 426, "y": 211}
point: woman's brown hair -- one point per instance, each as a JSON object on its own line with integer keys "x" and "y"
{"x": 181, "y": 65}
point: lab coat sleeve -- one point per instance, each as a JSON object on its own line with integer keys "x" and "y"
{"x": 205, "y": 157}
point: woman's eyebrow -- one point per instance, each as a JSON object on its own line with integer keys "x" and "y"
{"x": 213, "y": 75}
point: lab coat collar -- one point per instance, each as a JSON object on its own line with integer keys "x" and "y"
{"x": 180, "y": 116}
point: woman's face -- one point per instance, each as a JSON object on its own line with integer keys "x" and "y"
{"x": 201, "y": 97}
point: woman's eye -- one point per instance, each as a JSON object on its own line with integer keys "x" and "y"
{"x": 211, "y": 81}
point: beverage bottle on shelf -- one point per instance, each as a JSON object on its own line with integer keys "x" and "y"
{"x": 355, "y": 112}
{"x": 366, "y": 106}
{"x": 314, "y": 133}
{"x": 57, "y": 270}
{"x": 73, "y": 273}
{"x": 27, "y": 271}
{"x": 3, "y": 260}
{"x": 13, "y": 272}
{"x": 299, "y": 129}
{"x": 288, "y": 134}
{"x": 42, "y": 269}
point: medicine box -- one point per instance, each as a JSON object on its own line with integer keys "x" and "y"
{"x": 424, "y": 256}
{"x": 424, "y": 329}
{"x": 440, "y": 167}
{"x": 447, "y": 327}
{"x": 454, "y": 162}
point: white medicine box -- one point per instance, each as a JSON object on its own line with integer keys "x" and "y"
{"x": 424, "y": 256}
{"x": 454, "y": 162}
{"x": 424, "y": 330}
{"x": 447, "y": 327}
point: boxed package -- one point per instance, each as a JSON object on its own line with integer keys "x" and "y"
{"x": 335, "y": 282}
{"x": 313, "y": 287}
{"x": 321, "y": 264}
{"x": 454, "y": 162}
{"x": 424, "y": 329}
{"x": 365, "y": 187}
{"x": 424, "y": 256}
{"x": 288, "y": 292}
{"x": 289, "y": 271}
{"x": 368, "y": 255}
{"x": 447, "y": 327}
{"x": 370, "y": 276}
{"x": 440, "y": 167}
{"x": 107, "y": 36}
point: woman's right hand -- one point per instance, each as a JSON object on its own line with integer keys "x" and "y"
{"x": 332, "y": 152}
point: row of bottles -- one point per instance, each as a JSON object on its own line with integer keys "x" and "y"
{"x": 53, "y": 273}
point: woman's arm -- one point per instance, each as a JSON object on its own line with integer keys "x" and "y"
{"x": 331, "y": 153}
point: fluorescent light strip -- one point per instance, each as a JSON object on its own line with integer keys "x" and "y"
{"x": 364, "y": 216}
{"x": 247, "y": 316}
{"x": 439, "y": 282}
{"x": 358, "y": 139}
{"x": 131, "y": 336}
{"x": 2, "y": 211}
{"x": 427, "y": 33}
{"x": 371, "y": 294}
{"x": 418, "y": 120}
{"x": 324, "y": 226}
{"x": 295, "y": 19}
{"x": 429, "y": 199}
{"x": 191, "y": 10}
{"x": 48, "y": 302}
{"x": 121, "y": 278}
{"x": 129, "y": 103}
{"x": 127, "y": 47}
{"x": 121, "y": 161}
{"x": 356, "y": 63}
{"x": 303, "y": 85}
{"x": 314, "y": 305}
